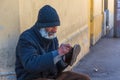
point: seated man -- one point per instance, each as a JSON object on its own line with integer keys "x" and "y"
{"x": 38, "y": 54}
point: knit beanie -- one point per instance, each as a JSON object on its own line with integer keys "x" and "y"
{"x": 48, "y": 17}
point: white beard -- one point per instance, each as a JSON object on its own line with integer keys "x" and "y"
{"x": 45, "y": 34}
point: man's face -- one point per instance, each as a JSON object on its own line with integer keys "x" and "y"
{"x": 51, "y": 30}
{"x": 48, "y": 33}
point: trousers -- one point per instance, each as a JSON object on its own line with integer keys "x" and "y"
{"x": 68, "y": 75}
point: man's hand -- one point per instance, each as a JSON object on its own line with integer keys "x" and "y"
{"x": 64, "y": 49}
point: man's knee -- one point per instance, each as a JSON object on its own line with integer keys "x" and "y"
{"x": 72, "y": 76}
{"x": 43, "y": 79}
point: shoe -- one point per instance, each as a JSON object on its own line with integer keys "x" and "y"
{"x": 70, "y": 58}
{"x": 76, "y": 51}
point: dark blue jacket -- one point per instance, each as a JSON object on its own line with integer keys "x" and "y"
{"x": 30, "y": 61}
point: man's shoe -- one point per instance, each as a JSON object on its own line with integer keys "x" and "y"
{"x": 70, "y": 58}
{"x": 76, "y": 51}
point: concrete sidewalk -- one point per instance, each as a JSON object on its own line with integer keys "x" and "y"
{"x": 103, "y": 61}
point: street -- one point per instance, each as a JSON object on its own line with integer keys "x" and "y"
{"x": 103, "y": 60}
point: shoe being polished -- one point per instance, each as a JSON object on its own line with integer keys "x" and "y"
{"x": 71, "y": 57}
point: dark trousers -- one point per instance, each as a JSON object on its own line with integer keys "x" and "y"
{"x": 68, "y": 75}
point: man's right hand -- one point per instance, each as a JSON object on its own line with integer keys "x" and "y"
{"x": 64, "y": 49}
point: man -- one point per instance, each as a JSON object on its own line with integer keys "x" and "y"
{"x": 38, "y": 54}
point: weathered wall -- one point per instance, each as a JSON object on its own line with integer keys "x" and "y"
{"x": 111, "y": 5}
{"x": 72, "y": 14}
{"x": 96, "y": 20}
{"x": 9, "y": 31}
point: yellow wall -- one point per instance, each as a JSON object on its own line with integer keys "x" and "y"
{"x": 111, "y": 5}
{"x": 9, "y": 31}
{"x": 73, "y": 14}
{"x": 96, "y": 20}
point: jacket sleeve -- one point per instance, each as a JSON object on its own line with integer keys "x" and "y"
{"x": 31, "y": 61}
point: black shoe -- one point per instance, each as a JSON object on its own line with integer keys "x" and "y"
{"x": 70, "y": 58}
